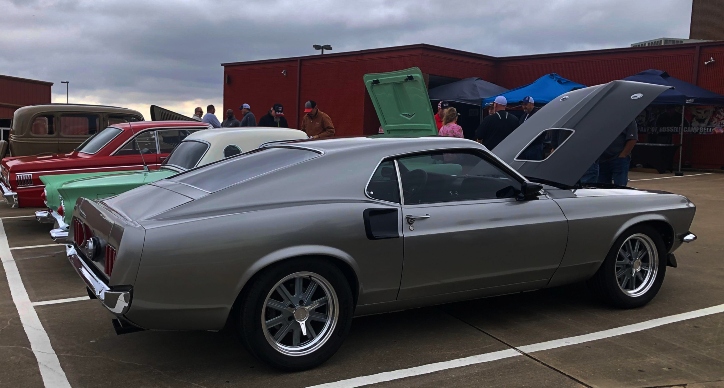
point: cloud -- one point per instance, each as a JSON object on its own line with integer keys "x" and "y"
{"x": 137, "y": 53}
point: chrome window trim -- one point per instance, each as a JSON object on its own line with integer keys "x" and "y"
{"x": 572, "y": 131}
{"x": 199, "y": 128}
{"x": 136, "y": 135}
{"x": 369, "y": 180}
{"x": 108, "y": 142}
{"x": 399, "y": 184}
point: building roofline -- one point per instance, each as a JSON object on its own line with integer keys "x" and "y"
{"x": 614, "y": 50}
{"x": 418, "y": 46}
{"x": 26, "y": 80}
{"x": 434, "y": 48}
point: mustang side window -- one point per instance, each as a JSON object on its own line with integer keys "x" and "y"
{"x": 453, "y": 176}
{"x": 383, "y": 184}
{"x": 143, "y": 143}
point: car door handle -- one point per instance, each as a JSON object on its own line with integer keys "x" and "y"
{"x": 411, "y": 219}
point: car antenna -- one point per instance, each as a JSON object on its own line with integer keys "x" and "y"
{"x": 140, "y": 151}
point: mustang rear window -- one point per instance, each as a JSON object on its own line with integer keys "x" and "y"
{"x": 187, "y": 154}
{"x": 216, "y": 176}
{"x": 95, "y": 143}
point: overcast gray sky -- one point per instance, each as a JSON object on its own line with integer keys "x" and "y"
{"x": 135, "y": 53}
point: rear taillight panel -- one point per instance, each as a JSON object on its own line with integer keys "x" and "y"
{"x": 110, "y": 260}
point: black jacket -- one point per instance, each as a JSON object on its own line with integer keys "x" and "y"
{"x": 268, "y": 121}
{"x": 496, "y": 127}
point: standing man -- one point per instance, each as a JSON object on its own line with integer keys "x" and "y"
{"x": 210, "y": 117}
{"x": 247, "y": 118}
{"x": 274, "y": 118}
{"x": 497, "y": 126}
{"x": 230, "y": 121}
{"x": 441, "y": 106}
{"x": 198, "y": 112}
{"x": 315, "y": 123}
{"x": 616, "y": 159}
{"x": 535, "y": 150}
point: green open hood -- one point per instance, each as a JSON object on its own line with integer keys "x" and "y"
{"x": 401, "y": 101}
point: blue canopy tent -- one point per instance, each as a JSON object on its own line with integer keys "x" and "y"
{"x": 683, "y": 93}
{"x": 543, "y": 90}
{"x": 467, "y": 91}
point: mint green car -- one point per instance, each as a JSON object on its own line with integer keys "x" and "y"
{"x": 197, "y": 149}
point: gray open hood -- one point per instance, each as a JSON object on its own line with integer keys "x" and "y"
{"x": 596, "y": 114}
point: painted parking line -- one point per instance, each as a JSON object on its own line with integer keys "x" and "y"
{"x": 36, "y": 246}
{"x": 14, "y": 217}
{"x": 59, "y": 301}
{"x": 50, "y": 370}
{"x": 520, "y": 351}
{"x": 669, "y": 177}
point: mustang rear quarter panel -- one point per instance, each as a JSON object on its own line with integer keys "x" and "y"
{"x": 313, "y": 208}
{"x": 597, "y": 217}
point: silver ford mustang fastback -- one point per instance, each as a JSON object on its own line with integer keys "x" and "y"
{"x": 287, "y": 243}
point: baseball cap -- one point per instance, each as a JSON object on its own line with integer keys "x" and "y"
{"x": 443, "y": 104}
{"x": 244, "y": 106}
{"x": 309, "y": 105}
{"x": 528, "y": 99}
{"x": 500, "y": 100}
{"x": 278, "y": 109}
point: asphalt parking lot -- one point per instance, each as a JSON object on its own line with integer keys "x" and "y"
{"x": 558, "y": 337}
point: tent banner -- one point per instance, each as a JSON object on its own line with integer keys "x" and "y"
{"x": 698, "y": 119}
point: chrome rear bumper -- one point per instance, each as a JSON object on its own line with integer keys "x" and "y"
{"x": 688, "y": 237}
{"x": 116, "y": 302}
{"x": 10, "y": 196}
{"x": 44, "y": 217}
{"x": 59, "y": 235}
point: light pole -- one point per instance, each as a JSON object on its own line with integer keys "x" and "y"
{"x": 322, "y": 47}
{"x": 66, "y": 89}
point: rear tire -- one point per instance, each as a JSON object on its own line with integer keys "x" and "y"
{"x": 634, "y": 269}
{"x": 296, "y": 314}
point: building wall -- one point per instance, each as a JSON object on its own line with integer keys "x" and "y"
{"x": 19, "y": 92}
{"x": 334, "y": 81}
{"x": 707, "y": 20}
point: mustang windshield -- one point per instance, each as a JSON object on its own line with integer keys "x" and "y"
{"x": 216, "y": 176}
{"x": 187, "y": 154}
{"x": 95, "y": 143}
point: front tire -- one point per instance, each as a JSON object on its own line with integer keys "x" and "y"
{"x": 296, "y": 314}
{"x": 634, "y": 269}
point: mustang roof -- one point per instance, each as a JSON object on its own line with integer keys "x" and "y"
{"x": 597, "y": 115}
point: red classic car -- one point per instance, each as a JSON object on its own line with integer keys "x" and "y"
{"x": 126, "y": 146}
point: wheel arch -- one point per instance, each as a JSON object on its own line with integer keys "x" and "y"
{"x": 343, "y": 261}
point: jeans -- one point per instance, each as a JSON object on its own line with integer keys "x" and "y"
{"x": 615, "y": 170}
{"x": 591, "y": 175}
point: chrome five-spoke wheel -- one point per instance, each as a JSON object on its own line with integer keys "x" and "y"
{"x": 637, "y": 264}
{"x": 300, "y": 313}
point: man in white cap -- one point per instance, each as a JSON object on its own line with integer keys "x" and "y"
{"x": 534, "y": 151}
{"x": 247, "y": 118}
{"x": 496, "y": 126}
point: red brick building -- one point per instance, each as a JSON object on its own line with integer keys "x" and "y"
{"x": 18, "y": 92}
{"x": 335, "y": 80}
